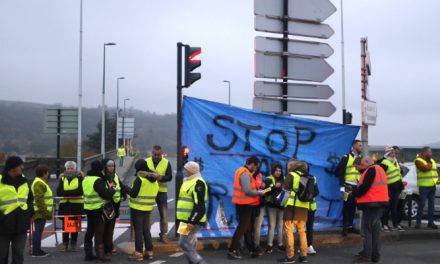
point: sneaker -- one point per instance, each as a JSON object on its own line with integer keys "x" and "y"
{"x": 386, "y": 228}
{"x": 148, "y": 255}
{"x": 40, "y": 254}
{"x": 311, "y": 250}
{"x": 258, "y": 252}
{"x": 269, "y": 249}
{"x": 163, "y": 239}
{"x": 303, "y": 259}
{"x": 136, "y": 256}
{"x": 432, "y": 226}
{"x": 400, "y": 228}
{"x": 286, "y": 260}
{"x": 234, "y": 255}
{"x": 281, "y": 248}
{"x": 359, "y": 254}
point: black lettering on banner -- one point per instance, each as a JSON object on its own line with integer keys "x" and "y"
{"x": 247, "y": 145}
{"x": 210, "y": 137}
{"x": 268, "y": 141}
{"x": 265, "y": 167}
{"x": 299, "y": 141}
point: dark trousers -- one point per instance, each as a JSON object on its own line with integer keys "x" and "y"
{"x": 426, "y": 193}
{"x": 370, "y": 232}
{"x": 141, "y": 224}
{"x": 108, "y": 235}
{"x": 309, "y": 226}
{"x": 73, "y": 237}
{"x": 17, "y": 243}
{"x": 95, "y": 228}
{"x": 36, "y": 235}
{"x": 393, "y": 193}
{"x": 162, "y": 206}
{"x": 246, "y": 215}
{"x": 348, "y": 212}
{"x": 121, "y": 161}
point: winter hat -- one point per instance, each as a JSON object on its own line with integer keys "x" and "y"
{"x": 388, "y": 149}
{"x": 192, "y": 167}
{"x": 12, "y": 162}
{"x": 96, "y": 166}
{"x": 140, "y": 165}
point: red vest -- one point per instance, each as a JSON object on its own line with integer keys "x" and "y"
{"x": 379, "y": 189}
{"x": 238, "y": 196}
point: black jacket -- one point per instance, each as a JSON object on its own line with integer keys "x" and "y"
{"x": 100, "y": 187}
{"x": 69, "y": 208}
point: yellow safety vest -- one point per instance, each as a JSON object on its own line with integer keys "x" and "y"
{"x": 121, "y": 152}
{"x": 48, "y": 196}
{"x": 11, "y": 198}
{"x": 312, "y": 206}
{"x": 146, "y": 197}
{"x": 70, "y": 186}
{"x": 352, "y": 175}
{"x": 92, "y": 200}
{"x": 293, "y": 201}
{"x": 117, "y": 195}
{"x": 427, "y": 178}
{"x": 161, "y": 169}
{"x": 393, "y": 171}
{"x": 187, "y": 199}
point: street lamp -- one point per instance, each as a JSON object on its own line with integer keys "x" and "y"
{"x": 123, "y": 122}
{"x": 103, "y": 103}
{"x": 117, "y": 109}
{"x": 229, "y": 85}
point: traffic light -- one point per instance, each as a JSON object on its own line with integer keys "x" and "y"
{"x": 191, "y": 63}
{"x": 347, "y": 118}
{"x": 185, "y": 151}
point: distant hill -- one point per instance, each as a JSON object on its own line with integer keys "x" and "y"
{"x": 21, "y": 129}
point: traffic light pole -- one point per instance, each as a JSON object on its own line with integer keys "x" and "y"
{"x": 178, "y": 180}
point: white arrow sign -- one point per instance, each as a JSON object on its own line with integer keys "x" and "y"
{"x": 296, "y": 107}
{"x": 295, "y": 90}
{"x": 307, "y": 10}
{"x": 302, "y": 69}
{"x": 295, "y": 47}
{"x": 297, "y": 28}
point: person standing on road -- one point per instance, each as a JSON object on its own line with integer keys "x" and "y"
{"x": 191, "y": 209}
{"x": 395, "y": 186}
{"x": 143, "y": 193}
{"x": 121, "y": 155}
{"x": 16, "y": 210}
{"x": 259, "y": 217}
{"x": 348, "y": 180}
{"x": 427, "y": 178}
{"x": 43, "y": 205}
{"x": 372, "y": 198}
{"x": 311, "y": 221}
{"x": 246, "y": 198}
{"x": 96, "y": 191}
{"x": 160, "y": 165}
{"x": 70, "y": 185}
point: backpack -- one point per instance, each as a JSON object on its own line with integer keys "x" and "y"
{"x": 305, "y": 192}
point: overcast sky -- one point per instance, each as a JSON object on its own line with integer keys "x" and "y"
{"x": 39, "y": 42}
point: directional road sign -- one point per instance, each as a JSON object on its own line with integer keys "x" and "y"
{"x": 298, "y": 28}
{"x": 295, "y": 47}
{"x": 128, "y": 127}
{"x": 302, "y": 69}
{"x": 307, "y": 10}
{"x": 65, "y": 119}
{"x": 295, "y": 90}
{"x": 296, "y": 107}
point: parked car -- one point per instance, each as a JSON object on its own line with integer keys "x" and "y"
{"x": 410, "y": 182}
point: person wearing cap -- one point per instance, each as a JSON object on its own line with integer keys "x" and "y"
{"x": 43, "y": 205}
{"x": 191, "y": 210}
{"x": 16, "y": 210}
{"x": 70, "y": 185}
{"x": 395, "y": 186}
{"x": 96, "y": 191}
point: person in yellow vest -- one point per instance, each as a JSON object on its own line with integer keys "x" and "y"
{"x": 70, "y": 185}
{"x": 160, "y": 165}
{"x": 96, "y": 191}
{"x": 295, "y": 212}
{"x": 16, "y": 209}
{"x": 427, "y": 178}
{"x": 43, "y": 206}
{"x": 395, "y": 186}
{"x": 191, "y": 210}
{"x": 311, "y": 221}
{"x": 142, "y": 193}
{"x": 348, "y": 180}
{"x": 121, "y": 155}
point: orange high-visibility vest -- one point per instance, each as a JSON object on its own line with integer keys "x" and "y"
{"x": 238, "y": 196}
{"x": 379, "y": 189}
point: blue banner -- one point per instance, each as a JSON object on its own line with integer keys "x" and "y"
{"x": 221, "y": 137}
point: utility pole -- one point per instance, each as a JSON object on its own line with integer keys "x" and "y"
{"x": 79, "y": 137}
{"x": 364, "y": 86}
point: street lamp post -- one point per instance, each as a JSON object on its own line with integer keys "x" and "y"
{"x": 229, "y": 88}
{"x": 117, "y": 110}
{"x": 123, "y": 122}
{"x": 103, "y": 104}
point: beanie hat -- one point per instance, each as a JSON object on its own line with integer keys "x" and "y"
{"x": 96, "y": 166}
{"x": 388, "y": 149}
{"x": 192, "y": 167}
{"x": 12, "y": 162}
{"x": 140, "y": 165}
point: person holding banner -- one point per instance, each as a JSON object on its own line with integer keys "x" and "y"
{"x": 70, "y": 185}
{"x": 246, "y": 198}
{"x": 259, "y": 214}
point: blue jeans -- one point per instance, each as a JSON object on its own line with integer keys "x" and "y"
{"x": 36, "y": 236}
{"x": 426, "y": 193}
{"x": 188, "y": 244}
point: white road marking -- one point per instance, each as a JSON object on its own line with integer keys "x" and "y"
{"x": 176, "y": 255}
{"x": 158, "y": 262}
{"x": 168, "y": 201}
{"x": 155, "y": 228}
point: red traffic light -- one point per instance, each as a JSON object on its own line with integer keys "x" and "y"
{"x": 191, "y": 63}
{"x": 185, "y": 151}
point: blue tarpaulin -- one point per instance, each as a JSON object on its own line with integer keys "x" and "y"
{"x": 220, "y": 137}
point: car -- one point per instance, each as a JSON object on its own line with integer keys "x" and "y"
{"x": 410, "y": 194}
